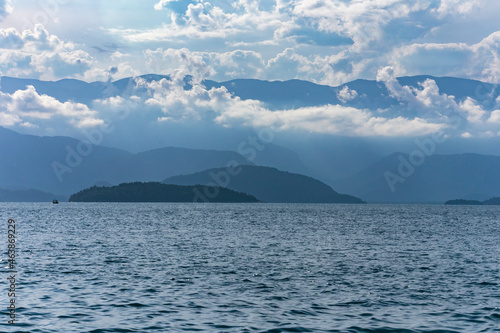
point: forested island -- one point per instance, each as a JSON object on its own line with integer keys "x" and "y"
{"x": 158, "y": 192}
{"x": 492, "y": 201}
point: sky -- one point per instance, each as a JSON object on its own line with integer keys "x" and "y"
{"x": 324, "y": 41}
{"x": 327, "y": 42}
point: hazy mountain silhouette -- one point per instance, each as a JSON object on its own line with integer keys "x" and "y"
{"x": 435, "y": 180}
{"x": 325, "y": 157}
{"x": 279, "y": 157}
{"x": 337, "y": 161}
{"x": 267, "y": 184}
{"x": 28, "y": 163}
{"x": 492, "y": 201}
{"x": 276, "y": 94}
{"x": 28, "y": 196}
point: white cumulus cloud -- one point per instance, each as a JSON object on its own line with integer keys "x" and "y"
{"x": 480, "y": 61}
{"x": 30, "y": 109}
{"x": 494, "y": 117}
{"x": 173, "y": 102}
{"x": 346, "y": 94}
{"x": 449, "y": 7}
{"x": 37, "y": 53}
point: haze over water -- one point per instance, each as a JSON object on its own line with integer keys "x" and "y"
{"x": 255, "y": 268}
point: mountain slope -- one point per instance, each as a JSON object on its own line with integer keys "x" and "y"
{"x": 436, "y": 180}
{"x": 267, "y": 184}
{"x": 28, "y": 162}
{"x": 57, "y": 165}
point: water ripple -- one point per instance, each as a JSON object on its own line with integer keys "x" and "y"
{"x": 256, "y": 268}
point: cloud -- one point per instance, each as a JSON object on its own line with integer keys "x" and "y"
{"x": 429, "y": 103}
{"x": 7, "y": 119}
{"x": 181, "y": 61}
{"x": 327, "y": 42}
{"x": 37, "y": 53}
{"x": 363, "y": 22}
{"x": 287, "y": 64}
{"x": 29, "y": 109}
{"x": 328, "y": 119}
{"x": 494, "y": 117}
{"x": 396, "y": 90}
{"x": 323, "y": 41}
{"x": 240, "y": 63}
{"x": 153, "y": 105}
{"x": 450, "y": 7}
{"x": 119, "y": 70}
{"x": 5, "y": 8}
{"x": 200, "y": 20}
{"x": 163, "y": 3}
{"x": 305, "y": 34}
{"x": 346, "y": 94}
{"x": 329, "y": 70}
{"x": 174, "y": 102}
{"x": 480, "y": 61}
{"x": 223, "y": 65}
{"x": 466, "y": 135}
{"x": 475, "y": 113}
{"x": 427, "y": 99}
{"x": 326, "y": 22}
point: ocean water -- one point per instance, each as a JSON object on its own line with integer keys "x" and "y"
{"x": 85, "y": 267}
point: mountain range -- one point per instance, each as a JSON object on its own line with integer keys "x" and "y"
{"x": 57, "y": 165}
{"x": 322, "y": 156}
{"x": 53, "y": 164}
{"x": 461, "y": 167}
{"x": 276, "y": 94}
{"x": 438, "y": 178}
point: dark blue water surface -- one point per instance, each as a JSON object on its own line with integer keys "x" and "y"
{"x": 254, "y": 268}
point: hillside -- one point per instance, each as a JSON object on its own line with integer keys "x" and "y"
{"x": 267, "y": 184}
{"x": 53, "y": 164}
{"x": 157, "y": 192}
{"x": 436, "y": 180}
{"x": 492, "y": 201}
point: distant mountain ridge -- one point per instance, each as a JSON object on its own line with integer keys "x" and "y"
{"x": 276, "y": 94}
{"x": 435, "y": 180}
{"x": 267, "y": 184}
{"x": 329, "y": 158}
{"x": 53, "y": 164}
{"x": 28, "y": 196}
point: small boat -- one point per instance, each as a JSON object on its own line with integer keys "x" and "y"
{"x": 55, "y": 201}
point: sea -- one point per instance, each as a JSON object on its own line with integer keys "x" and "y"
{"x": 161, "y": 267}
